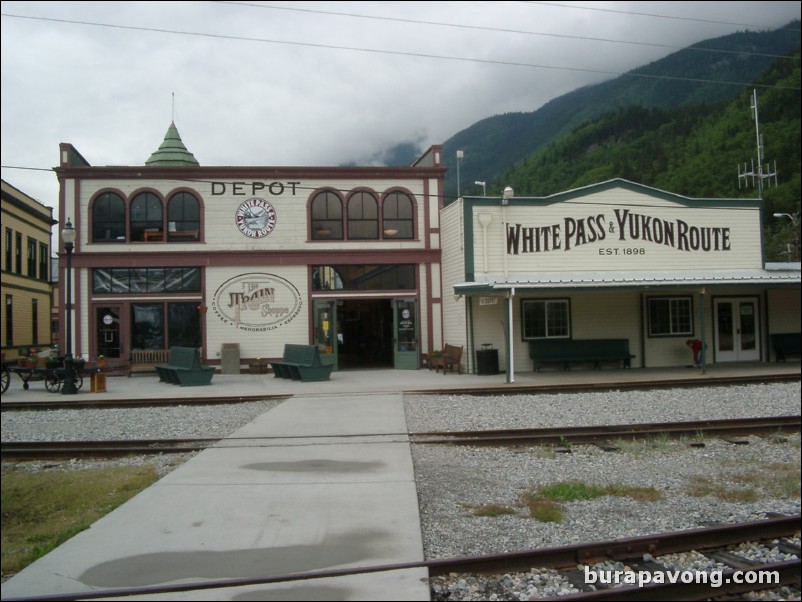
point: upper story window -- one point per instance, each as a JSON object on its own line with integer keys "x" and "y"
{"x": 398, "y": 216}
{"x": 147, "y": 218}
{"x": 9, "y": 247}
{"x": 32, "y": 265}
{"x": 108, "y": 218}
{"x": 327, "y": 216}
{"x": 363, "y": 217}
{"x": 183, "y": 217}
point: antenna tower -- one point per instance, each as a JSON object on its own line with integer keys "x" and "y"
{"x": 761, "y": 173}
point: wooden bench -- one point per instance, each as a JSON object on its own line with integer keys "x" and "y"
{"x": 301, "y": 362}
{"x": 450, "y": 357}
{"x": 569, "y": 351}
{"x": 145, "y": 360}
{"x": 184, "y": 368}
{"x": 784, "y": 344}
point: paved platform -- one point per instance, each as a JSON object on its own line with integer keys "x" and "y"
{"x": 312, "y": 485}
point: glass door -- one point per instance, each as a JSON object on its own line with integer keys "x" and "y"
{"x": 108, "y": 340}
{"x": 737, "y": 330}
{"x": 405, "y": 347}
{"x": 326, "y": 335}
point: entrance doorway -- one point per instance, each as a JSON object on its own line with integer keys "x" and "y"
{"x": 363, "y": 331}
{"x": 108, "y": 342}
{"x": 737, "y": 335}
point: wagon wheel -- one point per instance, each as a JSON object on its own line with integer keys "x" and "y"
{"x": 79, "y": 382}
{"x": 53, "y": 382}
{"x": 4, "y": 380}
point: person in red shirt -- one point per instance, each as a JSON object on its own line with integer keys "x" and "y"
{"x": 696, "y": 346}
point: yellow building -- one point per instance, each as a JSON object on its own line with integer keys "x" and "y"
{"x": 25, "y": 321}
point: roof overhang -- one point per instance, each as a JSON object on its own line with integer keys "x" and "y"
{"x": 498, "y": 284}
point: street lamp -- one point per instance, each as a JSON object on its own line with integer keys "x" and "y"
{"x": 460, "y": 155}
{"x": 795, "y": 222}
{"x": 483, "y": 185}
{"x": 68, "y": 237}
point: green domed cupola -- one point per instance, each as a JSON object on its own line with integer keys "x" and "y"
{"x": 172, "y": 152}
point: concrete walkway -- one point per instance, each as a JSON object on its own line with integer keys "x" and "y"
{"x": 308, "y": 486}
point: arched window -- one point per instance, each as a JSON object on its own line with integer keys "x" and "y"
{"x": 108, "y": 218}
{"x": 147, "y": 219}
{"x": 183, "y": 217}
{"x": 327, "y": 216}
{"x": 398, "y": 216}
{"x": 363, "y": 217}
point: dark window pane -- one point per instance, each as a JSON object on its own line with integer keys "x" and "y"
{"x": 364, "y": 277}
{"x": 327, "y": 217}
{"x": 183, "y": 218}
{"x": 147, "y": 326}
{"x": 184, "y": 325}
{"x": 108, "y": 218}
{"x": 147, "y": 221}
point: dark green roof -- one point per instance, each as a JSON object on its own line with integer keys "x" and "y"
{"x": 172, "y": 151}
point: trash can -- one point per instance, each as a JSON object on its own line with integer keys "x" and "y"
{"x": 229, "y": 358}
{"x": 487, "y": 360}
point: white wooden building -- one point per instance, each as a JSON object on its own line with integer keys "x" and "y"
{"x": 613, "y": 260}
{"x": 172, "y": 253}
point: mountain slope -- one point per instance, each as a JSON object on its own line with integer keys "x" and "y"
{"x": 493, "y": 145}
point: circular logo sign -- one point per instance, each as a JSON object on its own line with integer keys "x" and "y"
{"x": 256, "y": 218}
{"x": 257, "y": 302}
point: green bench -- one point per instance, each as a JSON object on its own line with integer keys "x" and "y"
{"x": 184, "y": 368}
{"x": 301, "y": 362}
{"x": 784, "y": 344}
{"x": 570, "y": 351}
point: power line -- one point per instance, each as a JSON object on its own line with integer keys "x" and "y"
{"x": 395, "y": 52}
{"x": 502, "y": 30}
{"x": 654, "y": 15}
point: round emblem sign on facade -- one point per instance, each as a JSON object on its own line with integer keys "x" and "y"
{"x": 256, "y": 218}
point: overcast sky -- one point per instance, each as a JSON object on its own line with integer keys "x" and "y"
{"x": 310, "y": 83}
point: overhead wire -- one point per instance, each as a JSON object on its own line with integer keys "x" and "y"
{"x": 501, "y": 29}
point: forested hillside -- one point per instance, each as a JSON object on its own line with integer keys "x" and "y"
{"x": 494, "y": 145}
{"x": 693, "y": 150}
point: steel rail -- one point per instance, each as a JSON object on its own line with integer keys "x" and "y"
{"x": 605, "y": 433}
{"x": 38, "y": 450}
{"x": 560, "y": 557}
{"x": 35, "y": 450}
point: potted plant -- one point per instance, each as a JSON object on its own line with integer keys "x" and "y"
{"x": 100, "y": 362}
{"x": 22, "y": 356}
{"x": 78, "y": 364}
{"x": 52, "y": 362}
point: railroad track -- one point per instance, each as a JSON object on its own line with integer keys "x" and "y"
{"x": 647, "y": 557}
{"x": 50, "y": 450}
{"x": 563, "y": 436}
{"x": 60, "y": 403}
{"x": 566, "y": 436}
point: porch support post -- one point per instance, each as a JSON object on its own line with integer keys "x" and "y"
{"x": 704, "y": 331}
{"x": 510, "y": 362}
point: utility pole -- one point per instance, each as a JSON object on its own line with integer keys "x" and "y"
{"x": 761, "y": 173}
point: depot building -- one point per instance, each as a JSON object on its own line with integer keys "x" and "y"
{"x": 612, "y": 261}
{"x": 175, "y": 254}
